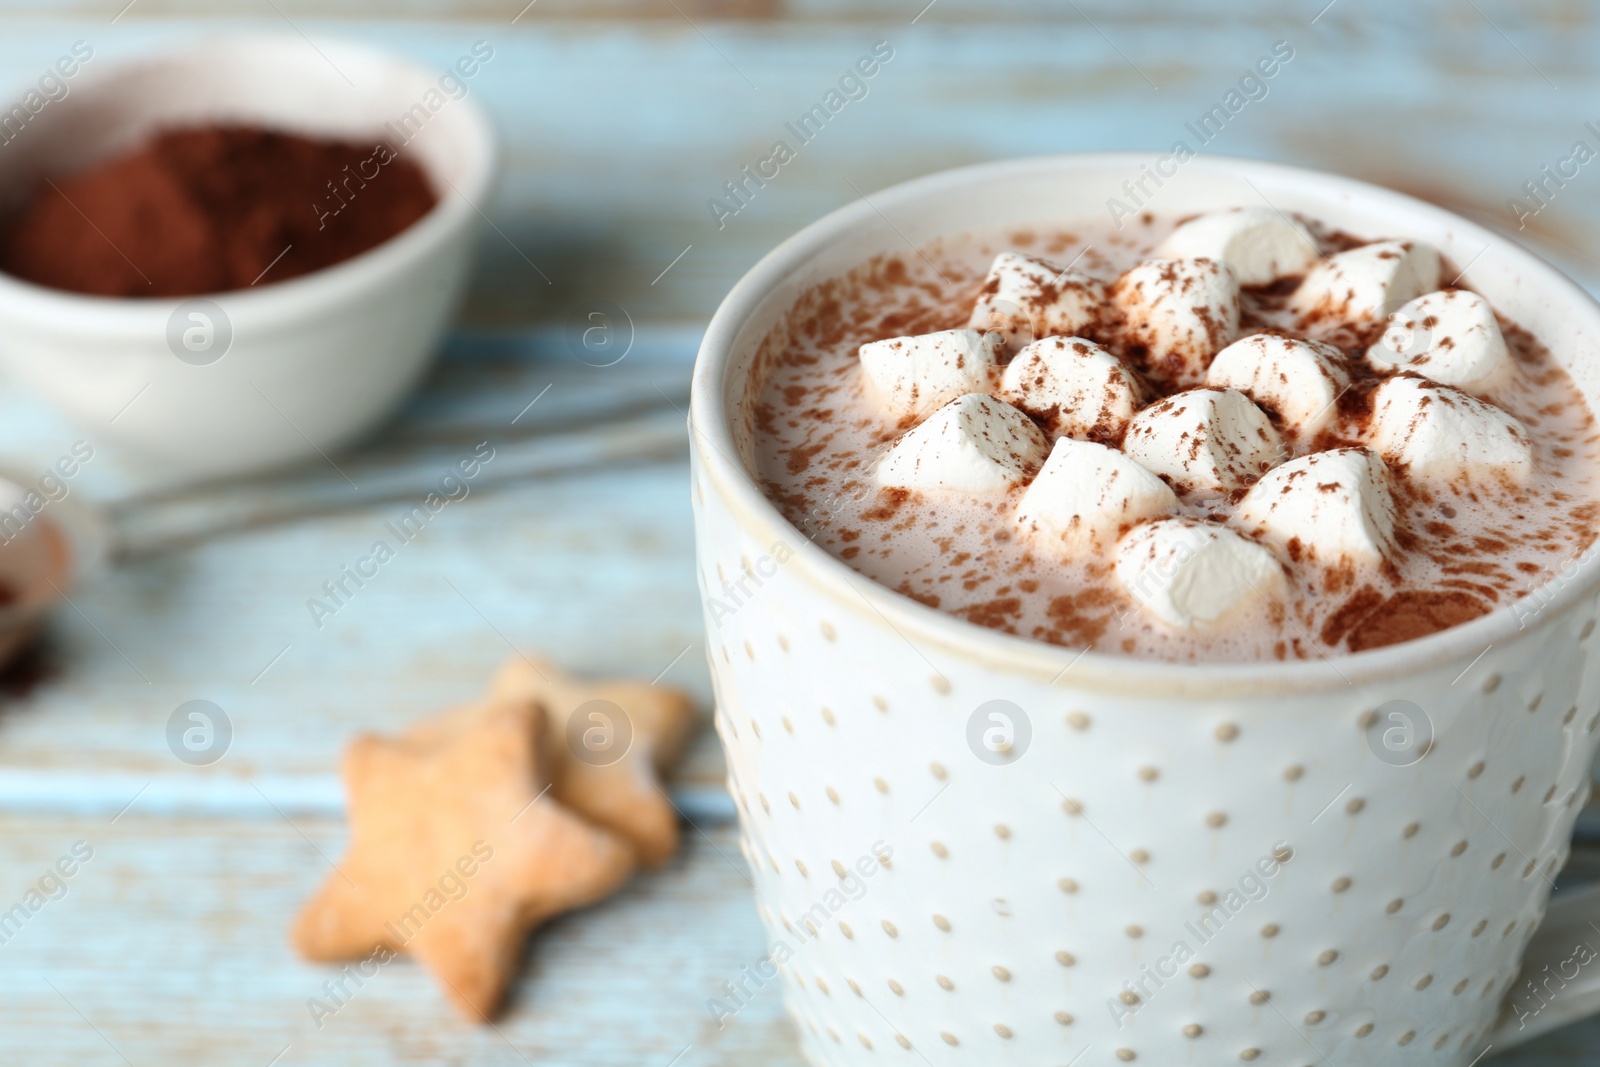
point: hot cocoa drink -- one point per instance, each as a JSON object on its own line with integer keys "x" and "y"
{"x": 1235, "y": 436}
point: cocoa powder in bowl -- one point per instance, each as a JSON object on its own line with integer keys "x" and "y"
{"x": 213, "y": 208}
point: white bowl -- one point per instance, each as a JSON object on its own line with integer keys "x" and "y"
{"x": 313, "y": 361}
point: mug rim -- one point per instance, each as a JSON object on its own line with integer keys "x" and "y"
{"x": 711, "y": 430}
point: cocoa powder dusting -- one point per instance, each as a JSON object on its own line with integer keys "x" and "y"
{"x": 1414, "y": 613}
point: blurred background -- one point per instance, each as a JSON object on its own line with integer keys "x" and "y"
{"x": 621, "y": 125}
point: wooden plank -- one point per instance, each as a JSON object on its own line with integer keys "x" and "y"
{"x": 1574, "y": 1045}
{"x": 1175, "y": 14}
{"x": 617, "y": 134}
{"x": 593, "y": 572}
{"x": 168, "y": 946}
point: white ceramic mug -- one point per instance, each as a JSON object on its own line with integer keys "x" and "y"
{"x": 1289, "y": 863}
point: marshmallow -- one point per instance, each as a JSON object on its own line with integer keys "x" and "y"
{"x": 1024, "y": 298}
{"x": 1451, "y": 337}
{"x": 1438, "y": 432}
{"x": 1074, "y": 387}
{"x": 1181, "y": 311}
{"x": 1259, "y": 243}
{"x": 1298, "y": 380}
{"x": 1194, "y": 575}
{"x": 910, "y": 376}
{"x": 1204, "y": 440}
{"x": 976, "y": 443}
{"x": 1087, "y": 494}
{"x": 1365, "y": 283}
{"x": 1324, "y": 507}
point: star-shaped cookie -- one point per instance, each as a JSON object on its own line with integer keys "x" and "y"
{"x": 616, "y": 788}
{"x": 456, "y": 853}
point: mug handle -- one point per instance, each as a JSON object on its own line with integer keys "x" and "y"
{"x": 1562, "y": 963}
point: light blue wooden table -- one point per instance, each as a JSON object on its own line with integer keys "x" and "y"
{"x": 621, "y": 119}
